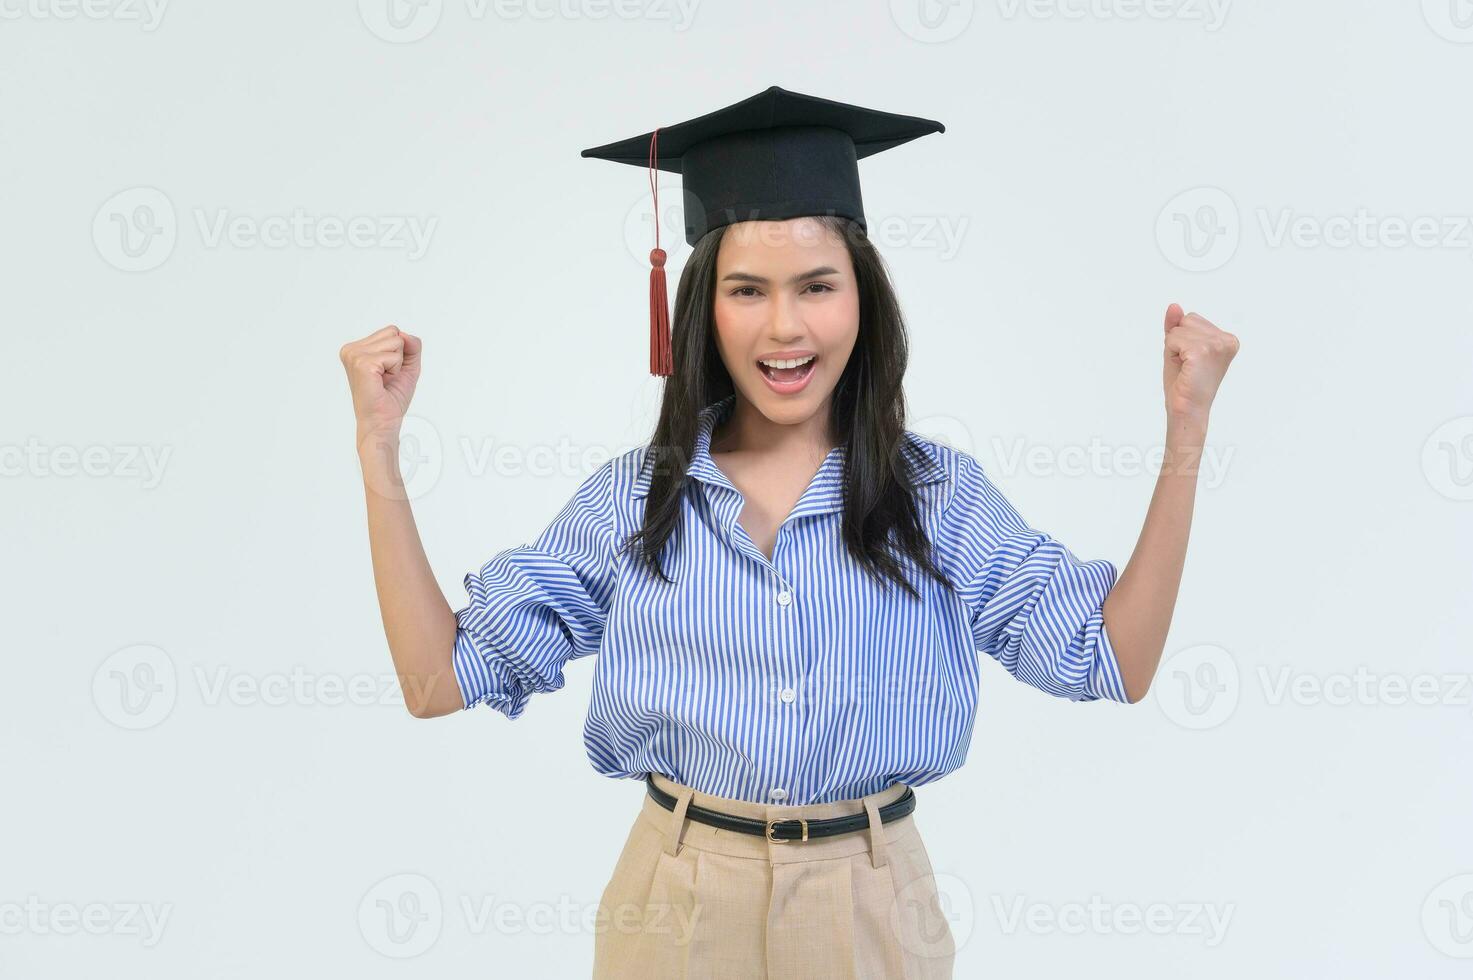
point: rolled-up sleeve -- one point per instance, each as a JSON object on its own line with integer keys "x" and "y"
{"x": 1034, "y": 607}
{"x": 535, "y": 607}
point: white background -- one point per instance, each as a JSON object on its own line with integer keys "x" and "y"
{"x": 177, "y": 633}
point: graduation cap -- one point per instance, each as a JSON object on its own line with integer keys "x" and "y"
{"x": 774, "y": 156}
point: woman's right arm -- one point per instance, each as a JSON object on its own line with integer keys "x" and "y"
{"x": 383, "y": 369}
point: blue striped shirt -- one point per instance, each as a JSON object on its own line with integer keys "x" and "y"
{"x": 793, "y": 680}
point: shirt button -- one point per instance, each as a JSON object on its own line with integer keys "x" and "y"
{"x": 787, "y": 694}
{"x": 784, "y": 597}
{"x": 778, "y": 793}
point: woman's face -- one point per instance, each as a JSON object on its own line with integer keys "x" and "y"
{"x": 787, "y": 313}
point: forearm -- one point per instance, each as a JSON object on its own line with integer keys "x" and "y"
{"x": 418, "y": 622}
{"x": 1138, "y": 609}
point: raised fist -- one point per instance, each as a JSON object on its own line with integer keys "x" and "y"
{"x": 1196, "y": 357}
{"x": 383, "y": 369}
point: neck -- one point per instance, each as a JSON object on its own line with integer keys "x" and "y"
{"x": 747, "y": 430}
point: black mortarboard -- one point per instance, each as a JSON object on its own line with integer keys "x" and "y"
{"x": 774, "y": 156}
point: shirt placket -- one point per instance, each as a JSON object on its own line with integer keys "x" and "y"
{"x": 781, "y": 691}
{"x": 778, "y": 603}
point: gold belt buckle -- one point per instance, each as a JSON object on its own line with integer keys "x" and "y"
{"x": 784, "y": 840}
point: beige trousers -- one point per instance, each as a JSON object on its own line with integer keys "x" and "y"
{"x": 688, "y": 900}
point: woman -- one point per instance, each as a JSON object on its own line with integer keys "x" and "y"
{"x": 787, "y": 591}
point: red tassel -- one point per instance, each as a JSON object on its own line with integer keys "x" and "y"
{"x": 661, "y": 361}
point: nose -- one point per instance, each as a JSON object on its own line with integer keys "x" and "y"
{"x": 787, "y": 320}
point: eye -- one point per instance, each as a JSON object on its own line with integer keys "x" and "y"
{"x": 742, "y": 291}
{"x": 823, "y": 287}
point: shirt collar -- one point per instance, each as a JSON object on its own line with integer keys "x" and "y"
{"x": 824, "y": 493}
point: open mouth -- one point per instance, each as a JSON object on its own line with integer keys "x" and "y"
{"x": 788, "y": 374}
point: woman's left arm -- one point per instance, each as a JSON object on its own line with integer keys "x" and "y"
{"x": 1138, "y": 609}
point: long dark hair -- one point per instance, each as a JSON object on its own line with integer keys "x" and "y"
{"x": 867, "y": 418}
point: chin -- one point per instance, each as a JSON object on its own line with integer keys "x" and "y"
{"x": 787, "y": 409}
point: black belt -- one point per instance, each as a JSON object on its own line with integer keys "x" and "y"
{"x": 793, "y": 828}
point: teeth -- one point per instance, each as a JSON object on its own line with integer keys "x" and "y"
{"x": 796, "y": 362}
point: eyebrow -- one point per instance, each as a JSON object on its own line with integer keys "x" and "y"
{"x": 823, "y": 270}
